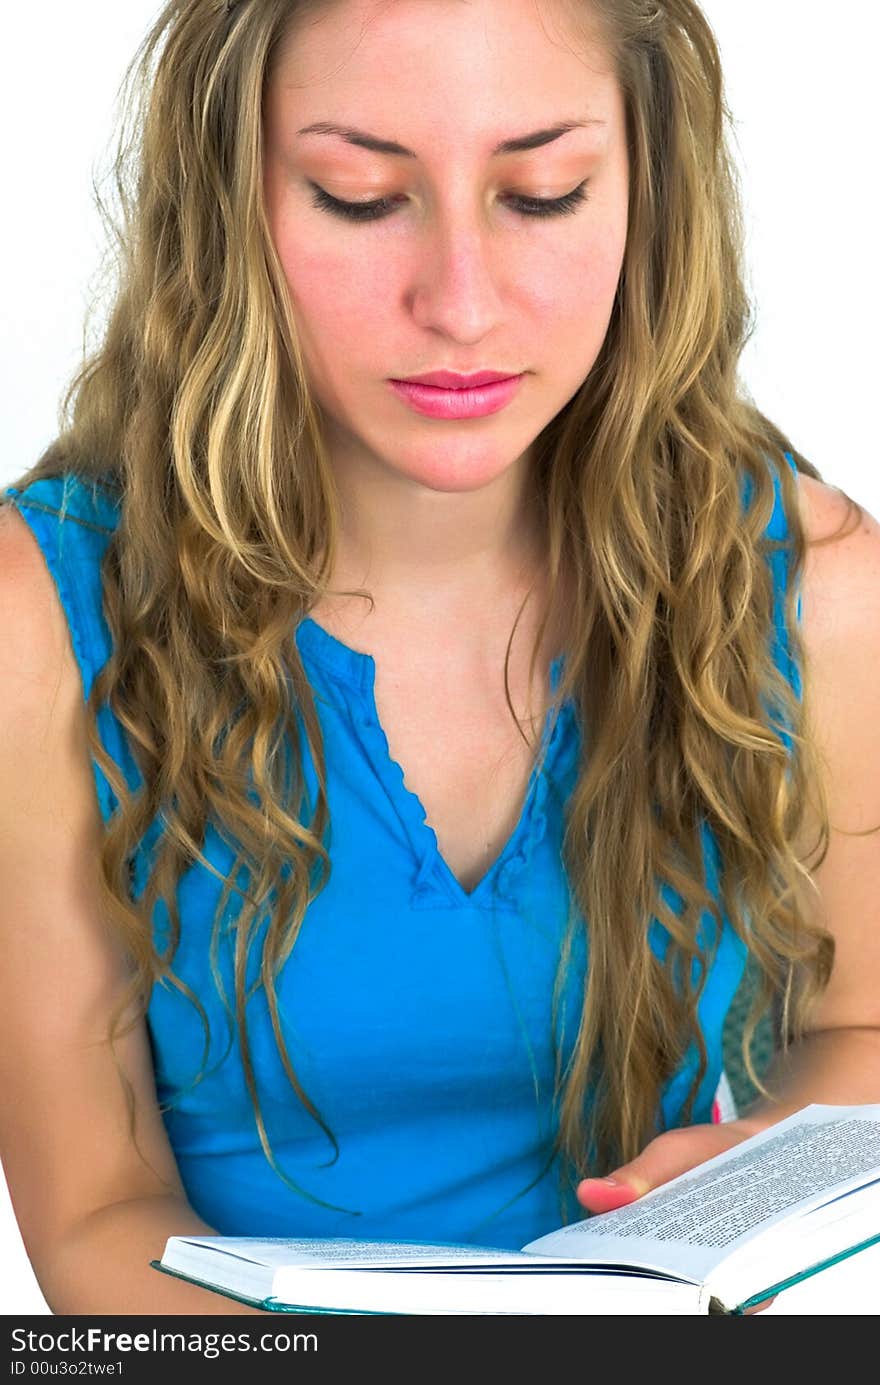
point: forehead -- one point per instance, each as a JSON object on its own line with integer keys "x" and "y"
{"x": 426, "y": 65}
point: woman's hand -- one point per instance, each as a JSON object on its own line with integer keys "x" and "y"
{"x": 664, "y": 1158}
{"x": 674, "y": 1152}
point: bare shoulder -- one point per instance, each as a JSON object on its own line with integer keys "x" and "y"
{"x": 841, "y": 579}
{"x": 841, "y": 631}
{"x": 31, "y": 613}
{"x": 840, "y": 624}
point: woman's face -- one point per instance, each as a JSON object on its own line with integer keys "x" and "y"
{"x": 455, "y": 275}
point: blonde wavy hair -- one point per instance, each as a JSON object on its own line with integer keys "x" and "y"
{"x": 196, "y": 408}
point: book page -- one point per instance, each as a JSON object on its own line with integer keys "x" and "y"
{"x": 691, "y": 1223}
{"x": 275, "y": 1252}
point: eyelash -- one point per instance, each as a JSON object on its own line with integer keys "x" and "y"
{"x": 374, "y": 211}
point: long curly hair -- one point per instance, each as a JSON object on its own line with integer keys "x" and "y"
{"x": 196, "y": 408}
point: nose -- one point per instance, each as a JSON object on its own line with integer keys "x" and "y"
{"x": 457, "y": 280}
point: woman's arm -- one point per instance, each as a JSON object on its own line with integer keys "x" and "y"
{"x": 92, "y": 1212}
{"x": 838, "y": 1060}
{"x": 101, "y": 1265}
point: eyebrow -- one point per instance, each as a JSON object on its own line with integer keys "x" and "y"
{"x": 388, "y": 146}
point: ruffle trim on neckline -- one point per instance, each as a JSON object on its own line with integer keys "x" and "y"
{"x": 434, "y": 884}
{"x": 356, "y": 670}
{"x": 548, "y": 775}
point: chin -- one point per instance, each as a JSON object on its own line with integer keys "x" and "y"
{"x": 456, "y": 474}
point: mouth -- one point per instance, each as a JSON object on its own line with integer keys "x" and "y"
{"x": 457, "y": 402}
{"x": 453, "y": 380}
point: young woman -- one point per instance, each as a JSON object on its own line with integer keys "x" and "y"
{"x": 398, "y": 775}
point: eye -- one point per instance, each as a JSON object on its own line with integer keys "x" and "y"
{"x": 374, "y": 211}
{"x": 552, "y": 206}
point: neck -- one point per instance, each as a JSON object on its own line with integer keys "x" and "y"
{"x": 459, "y": 562}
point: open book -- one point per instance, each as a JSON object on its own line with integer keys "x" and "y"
{"x": 737, "y": 1229}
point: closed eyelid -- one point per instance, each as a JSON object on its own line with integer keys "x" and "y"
{"x": 362, "y": 191}
{"x": 547, "y": 178}
{"x": 337, "y": 162}
{"x": 379, "y": 209}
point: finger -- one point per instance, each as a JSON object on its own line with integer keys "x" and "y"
{"x": 607, "y": 1194}
{"x": 667, "y": 1156}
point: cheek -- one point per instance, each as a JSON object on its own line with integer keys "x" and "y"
{"x": 335, "y": 298}
{"x": 327, "y": 287}
{"x": 585, "y": 271}
{"x": 571, "y": 301}
{"x": 571, "y": 297}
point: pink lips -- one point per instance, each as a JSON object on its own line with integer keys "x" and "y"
{"x": 484, "y": 393}
{"x": 452, "y": 380}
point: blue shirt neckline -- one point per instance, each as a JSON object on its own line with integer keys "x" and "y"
{"x": 435, "y": 881}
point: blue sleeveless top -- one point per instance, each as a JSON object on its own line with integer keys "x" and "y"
{"x": 417, "y": 1016}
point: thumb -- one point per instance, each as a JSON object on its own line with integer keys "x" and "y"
{"x": 625, "y": 1185}
{"x": 667, "y": 1155}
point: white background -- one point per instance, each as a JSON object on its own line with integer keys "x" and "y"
{"x": 801, "y": 84}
